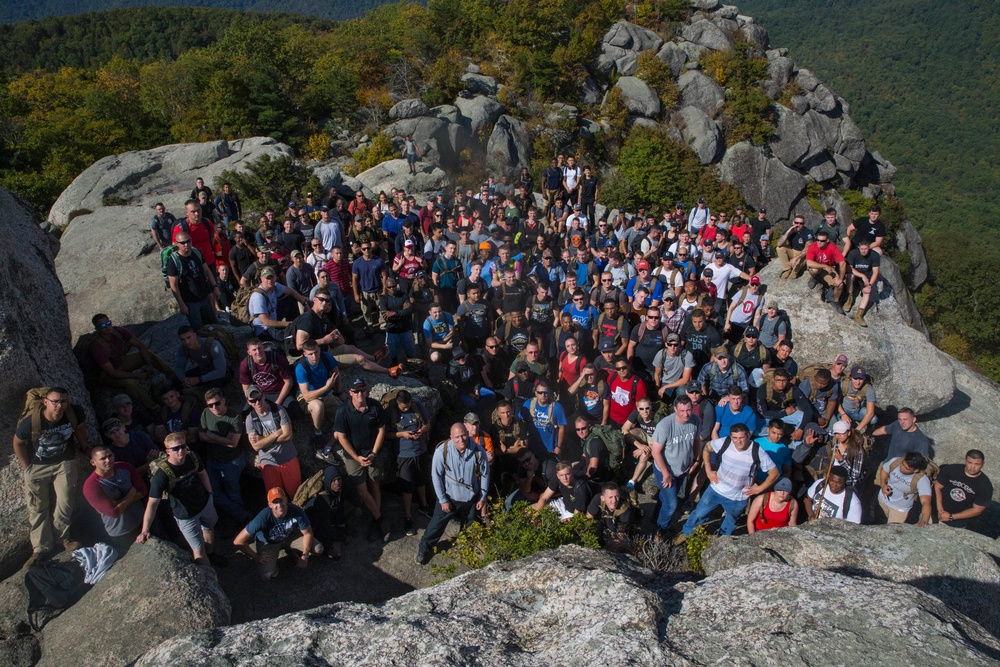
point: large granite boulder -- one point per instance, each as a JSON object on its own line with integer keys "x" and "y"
{"x": 479, "y": 84}
{"x": 154, "y": 593}
{"x": 702, "y": 134}
{"x": 118, "y": 236}
{"x": 638, "y": 97}
{"x": 908, "y": 370}
{"x": 955, "y": 566}
{"x": 410, "y": 108}
{"x": 509, "y": 147}
{"x": 396, "y": 173}
{"x": 708, "y": 34}
{"x": 621, "y": 46}
{"x": 35, "y": 351}
{"x": 698, "y": 90}
{"x": 763, "y": 180}
{"x": 674, "y": 56}
{"x": 478, "y": 113}
{"x": 431, "y": 137}
{"x": 798, "y": 145}
{"x": 575, "y": 606}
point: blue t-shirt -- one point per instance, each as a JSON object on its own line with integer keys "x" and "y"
{"x": 542, "y": 424}
{"x": 368, "y": 271}
{"x": 269, "y": 529}
{"x": 725, "y": 418}
{"x": 779, "y": 453}
{"x": 436, "y": 330}
{"x": 654, "y": 286}
{"x": 315, "y": 376}
{"x": 586, "y": 318}
{"x": 392, "y": 226}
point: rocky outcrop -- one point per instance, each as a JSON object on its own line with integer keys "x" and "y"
{"x": 576, "y": 606}
{"x": 621, "y": 46}
{"x": 638, "y": 97}
{"x": 708, "y": 34}
{"x": 396, "y": 173}
{"x": 479, "y": 84}
{"x": 908, "y": 370}
{"x": 955, "y": 566}
{"x": 509, "y": 147}
{"x": 154, "y": 593}
{"x": 698, "y": 90}
{"x": 764, "y": 181}
{"x": 35, "y": 350}
{"x": 908, "y": 240}
{"x": 702, "y": 134}
{"x": 118, "y": 236}
{"x": 408, "y": 109}
{"x": 478, "y": 113}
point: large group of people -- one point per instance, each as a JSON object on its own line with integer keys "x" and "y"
{"x": 652, "y": 335}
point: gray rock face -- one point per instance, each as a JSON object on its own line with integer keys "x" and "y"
{"x": 36, "y": 351}
{"x": 763, "y": 181}
{"x": 766, "y": 614}
{"x": 479, "y": 84}
{"x": 152, "y": 594}
{"x": 396, "y": 173}
{"x": 674, "y": 56}
{"x": 621, "y": 46}
{"x": 822, "y": 100}
{"x": 478, "y": 113}
{"x": 509, "y": 147}
{"x": 851, "y": 143}
{"x": 706, "y": 5}
{"x": 701, "y": 133}
{"x": 909, "y": 240}
{"x": 408, "y": 109}
{"x": 795, "y": 142}
{"x": 909, "y": 371}
{"x": 638, "y": 97}
{"x": 756, "y": 34}
{"x": 118, "y": 236}
{"x": 433, "y": 138}
{"x": 577, "y": 607}
{"x": 780, "y": 68}
{"x": 707, "y": 34}
{"x": 807, "y": 80}
{"x": 955, "y": 566}
{"x": 698, "y": 90}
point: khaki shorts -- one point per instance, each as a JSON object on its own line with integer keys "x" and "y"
{"x": 359, "y": 474}
{"x": 330, "y": 405}
{"x": 893, "y": 516}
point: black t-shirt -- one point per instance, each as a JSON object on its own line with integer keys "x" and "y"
{"x": 700, "y": 343}
{"x": 595, "y": 447}
{"x": 864, "y": 264}
{"x": 360, "y": 428}
{"x": 467, "y": 377}
{"x": 607, "y": 520}
{"x": 758, "y": 228}
{"x": 588, "y": 189}
{"x": 648, "y": 341}
{"x": 242, "y": 258}
{"x": 188, "y": 497}
{"x": 960, "y": 491}
{"x": 464, "y": 283}
{"x": 800, "y": 239}
{"x": 865, "y": 229}
{"x": 193, "y": 284}
{"x": 575, "y": 499}
{"x": 315, "y": 325}
{"x": 55, "y": 439}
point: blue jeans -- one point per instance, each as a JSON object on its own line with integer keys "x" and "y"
{"x": 859, "y": 414}
{"x": 464, "y": 512}
{"x": 666, "y": 499}
{"x": 200, "y": 313}
{"x": 225, "y": 480}
{"x": 709, "y": 501}
{"x": 400, "y": 343}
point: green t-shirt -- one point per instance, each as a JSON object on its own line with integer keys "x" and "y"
{"x": 222, "y": 425}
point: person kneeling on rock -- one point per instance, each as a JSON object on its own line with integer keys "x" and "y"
{"x": 280, "y": 526}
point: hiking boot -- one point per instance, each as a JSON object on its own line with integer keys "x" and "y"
{"x": 859, "y": 319}
{"x": 381, "y": 352}
{"x": 71, "y": 545}
{"x": 786, "y": 274}
{"x": 408, "y": 526}
{"x": 326, "y": 455}
{"x": 396, "y": 371}
{"x": 837, "y": 307}
{"x": 422, "y": 558}
{"x": 680, "y": 539}
{"x": 218, "y": 560}
{"x": 812, "y": 283}
{"x": 849, "y": 302}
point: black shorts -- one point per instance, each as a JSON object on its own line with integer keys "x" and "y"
{"x": 410, "y": 472}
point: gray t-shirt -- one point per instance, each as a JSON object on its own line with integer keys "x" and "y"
{"x": 771, "y": 329}
{"x": 900, "y": 498}
{"x": 673, "y": 367}
{"x": 852, "y": 405}
{"x": 279, "y": 452}
{"x": 902, "y": 442}
{"x": 678, "y": 442}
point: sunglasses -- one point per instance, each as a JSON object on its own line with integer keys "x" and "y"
{"x": 582, "y": 429}
{"x": 543, "y": 392}
{"x": 176, "y": 449}
{"x": 491, "y": 347}
{"x": 104, "y": 325}
{"x": 255, "y": 400}
{"x": 673, "y": 344}
{"x": 621, "y": 368}
{"x": 183, "y": 242}
{"x": 214, "y": 404}
{"x": 322, "y": 299}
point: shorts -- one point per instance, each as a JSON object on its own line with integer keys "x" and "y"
{"x": 192, "y": 527}
{"x": 330, "y": 405}
{"x": 270, "y": 567}
{"x": 358, "y": 474}
{"x": 410, "y": 472}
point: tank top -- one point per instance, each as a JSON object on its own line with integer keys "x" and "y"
{"x": 767, "y": 519}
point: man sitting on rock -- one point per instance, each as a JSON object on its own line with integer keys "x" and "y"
{"x": 826, "y": 264}
{"x": 117, "y": 493}
{"x": 201, "y": 362}
{"x": 279, "y": 526}
{"x": 263, "y": 306}
{"x": 315, "y": 324}
{"x": 270, "y": 434}
{"x": 832, "y": 498}
{"x": 963, "y": 491}
{"x": 123, "y": 369}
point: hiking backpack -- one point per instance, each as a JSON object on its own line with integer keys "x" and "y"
{"x": 34, "y": 405}
{"x": 240, "y": 310}
{"x": 170, "y": 255}
{"x": 173, "y": 479}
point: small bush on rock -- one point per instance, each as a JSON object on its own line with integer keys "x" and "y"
{"x": 696, "y": 543}
{"x": 374, "y": 154}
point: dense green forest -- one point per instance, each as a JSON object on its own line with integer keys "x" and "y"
{"x": 12, "y": 11}
{"x": 923, "y": 81}
{"x": 90, "y": 40}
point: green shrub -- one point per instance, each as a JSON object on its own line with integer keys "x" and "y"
{"x": 695, "y": 545}
{"x": 519, "y": 533}
{"x": 375, "y": 153}
{"x": 269, "y": 183}
{"x": 657, "y": 74}
{"x": 114, "y": 200}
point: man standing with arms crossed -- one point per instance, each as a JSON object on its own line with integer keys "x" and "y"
{"x": 676, "y": 451}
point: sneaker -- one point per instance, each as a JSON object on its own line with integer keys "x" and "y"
{"x": 631, "y": 484}
{"x": 384, "y": 530}
{"x": 381, "y": 352}
{"x": 326, "y": 455}
{"x": 408, "y": 526}
{"x": 71, "y": 545}
{"x": 218, "y": 560}
{"x": 680, "y": 539}
{"x": 396, "y": 371}
{"x": 812, "y": 283}
{"x": 422, "y": 558}
{"x": 426, "y": 510}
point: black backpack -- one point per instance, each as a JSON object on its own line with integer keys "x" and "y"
{"x": 715, "y": 458}
{"x": 53, "y": 586}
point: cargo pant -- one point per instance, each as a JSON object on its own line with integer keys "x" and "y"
{"x": 48, "y": 523}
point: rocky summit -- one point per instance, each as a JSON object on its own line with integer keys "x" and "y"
{"x": 580, "y": 607}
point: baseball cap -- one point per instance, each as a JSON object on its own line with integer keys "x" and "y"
{"x": 253, "y": 391}
{"x": 485, "y": 245}
{"x": 523, "y": 367}
{"x": 292, "y": 204}
{"x": 841, "y": 427}
{"x": 701, "y": 200}
{"x": 773, "y": 304}
{"x": 296, "y": 253}
{"x": 754, "y": 280}
{"x": 720, "y": 255}
{"x": 642, "y": 264}
{"x": 842, "y": 359}
{"x": 679, "y": 204}
{"x": 120, "y": 400}
{"x": 268, "y": 272}
{"x": 752, "y": 332}
{"x": 667, "y": 255}
{"x": 358, "y": 384}
{"x": 693, "y": 387}
{"x": 673, "y": 338}
{"x": 408, "y": 243}
{"x": 858, "y": 373}
{"x": 276, "y": 493}
{"x": 783, "y": 484}
{"x": 708, "y": 272}
{"x": 421, "y": 274}
{"x": 111, "y": 424}
{"x": 576, "y": 207}
{"x": 471, "y": 418}
{"x": 547, "y": 254}
{"x": 324, "y": 207}
{"x": 458, "y": 353}
{"x": 765, "y": 237}
{"x": 606, "y": 346}
{"x": 762, "y": 210}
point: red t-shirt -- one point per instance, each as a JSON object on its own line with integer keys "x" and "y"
{"x": 830, "y": 255}
{"x": 571, "y": 370}
{"x": 767, "y": 519}
{"x": 114, "y": 350}
{"x": 624, "y": 395}
{"x": 201, "y": 239}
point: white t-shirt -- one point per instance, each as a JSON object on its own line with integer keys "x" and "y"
{"x": 663, "y": 275}
{"x": 572, "y": 176}
{"x": 900, "y": 485}
{"x": 735, "y": 471}
{"x": 833, "y": 503}
{"x": 743, "y": 313}
{"x": 722, "y": 276}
